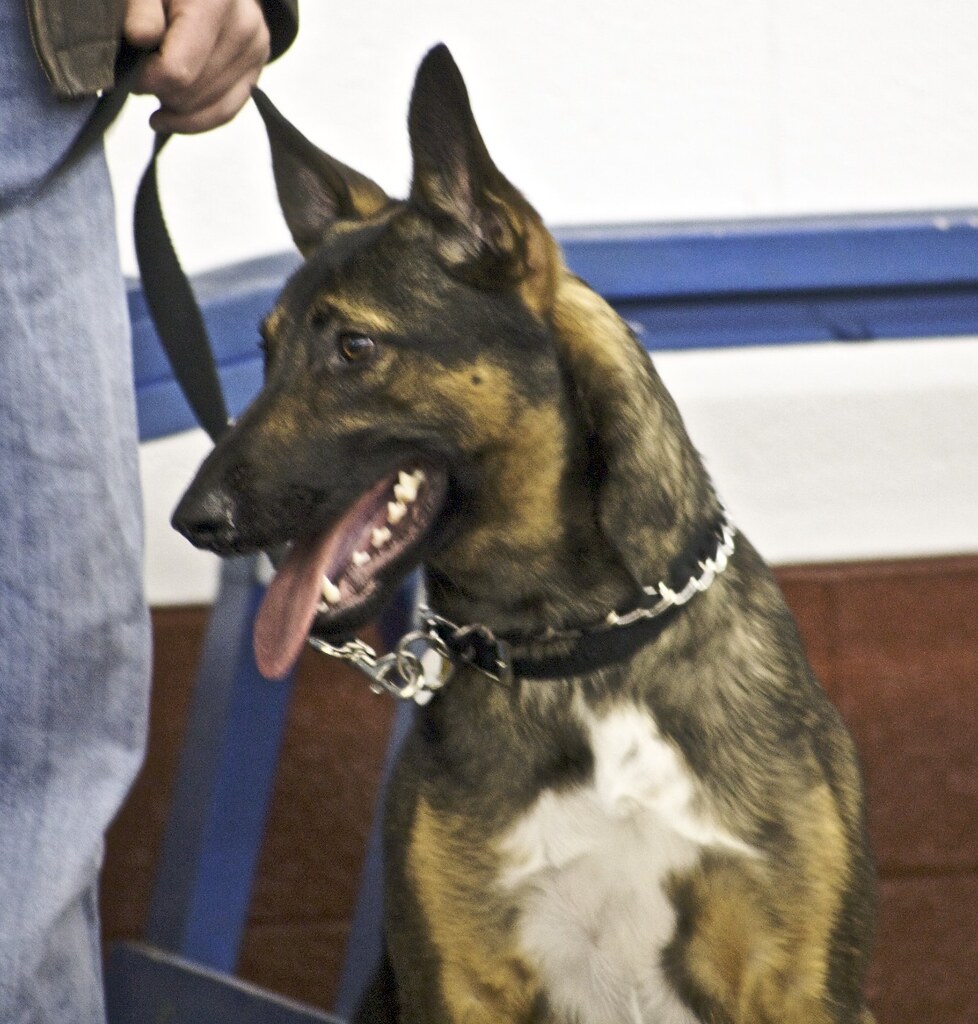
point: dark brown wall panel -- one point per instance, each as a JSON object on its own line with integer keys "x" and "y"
{"x": 924, "y": 968}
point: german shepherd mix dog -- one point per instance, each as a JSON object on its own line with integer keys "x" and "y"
{"x": 628, "y": 800}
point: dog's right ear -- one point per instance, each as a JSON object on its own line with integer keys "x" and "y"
{"x": 314, "y": 189}
{"x": 488, "y": 233}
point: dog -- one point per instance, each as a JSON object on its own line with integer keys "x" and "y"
{"x": 627, "y": 798}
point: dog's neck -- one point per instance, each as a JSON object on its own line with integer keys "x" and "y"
{"x": 574, "y": 586}
{"x": 578, "y": 651}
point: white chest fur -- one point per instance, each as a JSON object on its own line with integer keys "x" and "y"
{"x": 587, "y": 866}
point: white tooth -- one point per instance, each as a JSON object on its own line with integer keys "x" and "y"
{"x": 418, "y": 476}
{"x": 406, "y": 488}
{"x": 330, "y": 591}
{"x": 360, "y": 558}
{"x": 380, "y": 536}
{"x": 396, "y": 511}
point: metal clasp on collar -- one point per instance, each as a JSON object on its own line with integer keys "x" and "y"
{"x": 473, "y": 645}
{"x": 421, "y": 662}
{"x": 414, "y": 670}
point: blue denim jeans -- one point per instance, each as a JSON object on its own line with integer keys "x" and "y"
{"x": 74, "y": 639}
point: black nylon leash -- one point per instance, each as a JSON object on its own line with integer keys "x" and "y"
{"x": 173, "y": 305}
{"x": 170, "y": 298}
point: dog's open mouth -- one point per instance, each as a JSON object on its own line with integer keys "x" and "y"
{"x": 327, "y": 578}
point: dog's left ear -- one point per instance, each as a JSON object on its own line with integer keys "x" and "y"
{"x": 489, "y": 235}
{"x": 314, "y": 189}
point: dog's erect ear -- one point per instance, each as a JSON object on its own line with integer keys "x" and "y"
{"x": 488, "y": 233}
{"x": 314, "y": 190}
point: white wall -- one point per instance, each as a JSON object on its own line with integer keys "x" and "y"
{"x": 627, "y": 111}
{"x": 658, "y": 110}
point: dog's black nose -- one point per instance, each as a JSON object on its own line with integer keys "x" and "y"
{"x": 207, "y": 517}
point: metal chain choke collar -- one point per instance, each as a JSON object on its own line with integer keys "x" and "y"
{"x": 421, "y": 661}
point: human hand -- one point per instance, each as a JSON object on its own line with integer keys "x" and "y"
{"x": 209, "y": 55}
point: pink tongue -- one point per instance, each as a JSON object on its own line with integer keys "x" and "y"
{"x": 289, "y": 607}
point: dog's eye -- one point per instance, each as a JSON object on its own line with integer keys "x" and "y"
{"x": 355, "y": 348}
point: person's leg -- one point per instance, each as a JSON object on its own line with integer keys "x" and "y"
{"x": 74, "y": 642}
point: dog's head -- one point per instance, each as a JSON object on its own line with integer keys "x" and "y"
{"x": 438, "y": 389}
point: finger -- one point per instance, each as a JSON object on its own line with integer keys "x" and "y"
{"x": 188, "y": 46}
{"x": 203, "y": 119}
{"x": 145, "y": 23}
{"x": 232, "y": 79}
{"x": 192, "y": 73}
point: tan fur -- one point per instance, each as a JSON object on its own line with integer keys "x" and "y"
{"x": 359, "y": 315}
{"x": 761, "y": 938}
{"x": 482, "y": 978}
{"x": 544, "y": 265}
{"x": 522, "y": 446}
{"x": 592, "y": 332}
{"x": 274, "y": 321}
{"x": 481, "y": 396}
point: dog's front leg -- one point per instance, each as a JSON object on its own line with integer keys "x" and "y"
{"x": 450, "y": 929}
{"x": 752, "y": 947}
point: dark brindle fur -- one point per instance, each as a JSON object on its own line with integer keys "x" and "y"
{"x": 444, "y": 333}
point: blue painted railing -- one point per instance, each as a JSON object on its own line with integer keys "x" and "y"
{"x": 680, "y": 285}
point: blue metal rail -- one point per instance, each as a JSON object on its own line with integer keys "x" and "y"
{"x": 680, "y": 285}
